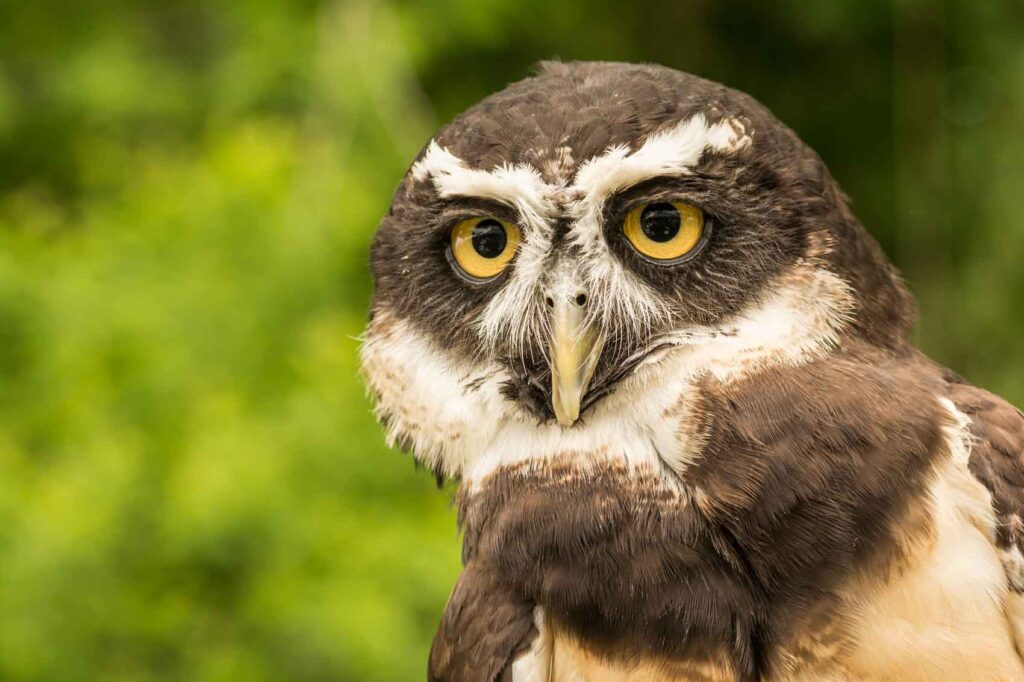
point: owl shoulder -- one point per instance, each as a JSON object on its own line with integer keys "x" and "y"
{"x": 997, "y": 456}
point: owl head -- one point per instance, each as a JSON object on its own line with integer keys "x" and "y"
{"x": 565, "y": 260}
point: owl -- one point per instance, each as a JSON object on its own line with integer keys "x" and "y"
{"x": 633, "y": 316}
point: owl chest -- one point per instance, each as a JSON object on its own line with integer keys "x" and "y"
{"x": 618, "y": 561}
{"x": 942, "y": 611}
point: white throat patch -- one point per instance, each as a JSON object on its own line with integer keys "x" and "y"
{"x": 455, "y": 419}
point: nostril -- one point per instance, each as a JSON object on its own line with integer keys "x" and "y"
{"x": 549, "y": 301}
{"x": 581, "y": 300}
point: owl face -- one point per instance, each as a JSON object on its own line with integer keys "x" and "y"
{"x": 568, "y": 260}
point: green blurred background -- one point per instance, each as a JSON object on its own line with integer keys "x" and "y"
{"x": 191, "y": 484}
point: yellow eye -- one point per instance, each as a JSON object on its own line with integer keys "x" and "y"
{"x": 482, "y": 247}
{"x": 664, "y": 231}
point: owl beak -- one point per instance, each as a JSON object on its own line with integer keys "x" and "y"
{"x": 575, "y": 349}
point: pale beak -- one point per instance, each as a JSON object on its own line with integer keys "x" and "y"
{"x": 575, "y": 349}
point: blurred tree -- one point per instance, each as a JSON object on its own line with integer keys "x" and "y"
{"x": 193, "y": 485}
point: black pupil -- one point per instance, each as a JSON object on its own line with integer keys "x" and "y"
{"x": 489, "y": 238}
{"x": 660, "y": 222}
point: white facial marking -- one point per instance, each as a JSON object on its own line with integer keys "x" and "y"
{"x": 438, "y": 408}
{"x": 670, "y": 151}
{"x": 455, "y": 417}
{"x": 801, "y": 321}
{"x": 513, "y": 316}
{"x": 457, "y": 421}
{"x": 513, "y": 185}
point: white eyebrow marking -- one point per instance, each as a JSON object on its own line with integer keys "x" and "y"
{"x": 669, "y": 151}
{"x": 511, "y": 315}
{"x": 514, "y": 185}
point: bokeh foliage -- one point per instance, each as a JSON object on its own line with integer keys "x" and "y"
{"x": 191, "y": 484}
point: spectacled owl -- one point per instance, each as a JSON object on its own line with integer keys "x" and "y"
{"x": 633, "y": 316}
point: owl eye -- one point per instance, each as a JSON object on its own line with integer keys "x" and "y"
{"x": 482, "y": 247}
{"x": 664, "y": 232}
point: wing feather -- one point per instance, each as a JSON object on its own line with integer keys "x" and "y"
{"x": 997, "y": 461}
{"x": 483, "y": 631}
{"x": 997, "y": 457}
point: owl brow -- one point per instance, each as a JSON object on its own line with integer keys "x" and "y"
{"x": 670, "y": 152}
{"x": 518, "y": 185}
{"x": 463, "y": 207}
{"x": 659, "y": 188}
